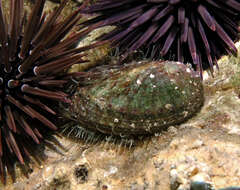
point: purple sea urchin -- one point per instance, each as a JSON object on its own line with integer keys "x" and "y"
{"x": 192, "y": 31}
{"x": 34, "y": 55}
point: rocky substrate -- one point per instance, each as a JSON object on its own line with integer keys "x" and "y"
{"x": 200, "y": 154}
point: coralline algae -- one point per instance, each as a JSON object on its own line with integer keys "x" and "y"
{"x": 136, "y": 99}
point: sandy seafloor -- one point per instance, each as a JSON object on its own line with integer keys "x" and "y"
{"x": 205, "y": 148}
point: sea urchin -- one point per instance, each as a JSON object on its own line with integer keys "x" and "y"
{"x": 195, "y": 31}
{"x": 34, "y": 55}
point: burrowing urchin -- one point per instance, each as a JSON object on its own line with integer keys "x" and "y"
{"x": 35, "y": 53}
{"x": 194, "y": 31}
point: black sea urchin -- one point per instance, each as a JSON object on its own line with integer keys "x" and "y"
{"x": 34, "y": 53}
{"x": 195, "y": 31}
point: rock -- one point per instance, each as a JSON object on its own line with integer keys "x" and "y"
{"x": 148, "y": 164}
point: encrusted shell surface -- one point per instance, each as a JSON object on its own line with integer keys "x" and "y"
{"x": 141, "y": 98}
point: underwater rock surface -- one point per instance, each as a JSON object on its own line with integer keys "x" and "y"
{"x": 138, "y": 98}
{"x": 203, "y": 149}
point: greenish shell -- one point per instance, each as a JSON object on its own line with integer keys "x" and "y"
{"x": 141, "y": 98}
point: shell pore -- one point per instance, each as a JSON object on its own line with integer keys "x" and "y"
{"x": 140, "y": 98}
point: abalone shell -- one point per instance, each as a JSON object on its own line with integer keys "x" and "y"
{"x": 140, "y": 98}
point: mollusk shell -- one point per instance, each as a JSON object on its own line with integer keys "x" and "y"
{"x": 141, "y": 98}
